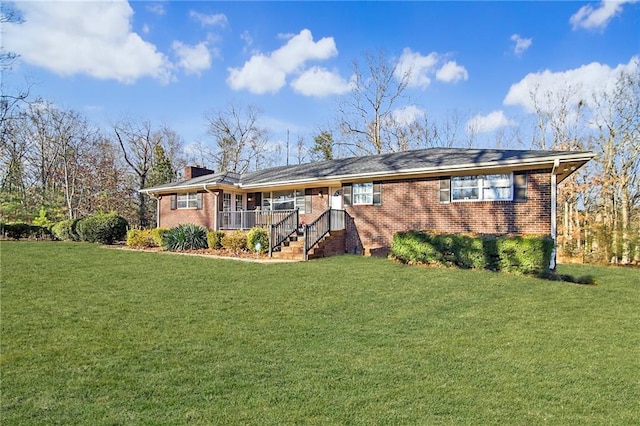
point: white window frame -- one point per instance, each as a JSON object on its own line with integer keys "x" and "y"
{"x": 362, "y": 194}
{"x": 187, "y": 200}
{"x": 296, "y": 196}
{"x": 485, "y": 186}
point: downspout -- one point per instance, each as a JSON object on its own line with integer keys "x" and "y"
{"x": 215, "y": 206}
{"x": 554, "y": 212}
{"x": 157, "y": 207}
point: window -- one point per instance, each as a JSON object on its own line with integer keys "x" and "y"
{"x": 190, "y": 200}
{"x": 284, "y": 200}
{"x": 368, "y": 193}
{"x": 495, "y": 187}
{"x": 363, "y": 193}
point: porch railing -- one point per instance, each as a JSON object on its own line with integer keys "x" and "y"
{"x": 247, "y": 219}
{"x": 329, "y": 220}
{"x": 280, "y": 231}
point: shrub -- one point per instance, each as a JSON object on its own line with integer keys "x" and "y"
{"x": 158, "y": 235}
{"x": 102, "y": 228}
{"x": 65, "y": 230}
{"x": 235, "y": 241}
{"x": 20, "y": 230}
{"x": 214, "y": 239}
{"x": 260, "y": 236}
{"x": 525, "y": 255}
{"x": 185, "y": 237}
{"x": 140, "y": 238}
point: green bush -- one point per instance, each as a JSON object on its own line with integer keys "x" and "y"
{"x": 185, "y": 237}
{"x": 214, "y": 239}
{"x": 140, "y": 238}
{"x": 21, "y": 230}
{"x": 104, "y": 228}
{"x": 525, "y": 255}
{"x": 260, "y": 236}
{"x": 235, "y": 241}
{"x": 65, "y": 230}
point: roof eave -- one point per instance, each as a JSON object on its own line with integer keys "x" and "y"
{"x": 528, "y": 163}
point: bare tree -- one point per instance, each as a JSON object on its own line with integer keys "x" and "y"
{"x": 240, "y": 141}
{"x": 139, "y": 141}
{"x": 618, "y": 122}
{"x": 366, "y": 113}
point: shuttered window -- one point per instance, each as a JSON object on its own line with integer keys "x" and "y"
{"x": 367, "y": 193}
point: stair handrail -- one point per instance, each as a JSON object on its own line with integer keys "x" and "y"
{"x": 316, "y": 230}
{"x": 279, "y": 232}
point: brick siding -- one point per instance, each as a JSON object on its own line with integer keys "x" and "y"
{"x": 408, "y": 204}
{"x": 171, "y": 218}
{"x": 414, "y": 205}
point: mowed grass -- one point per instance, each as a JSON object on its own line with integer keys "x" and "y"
{"x": 104, "y": 337}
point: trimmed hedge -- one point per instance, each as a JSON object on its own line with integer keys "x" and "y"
{"x": 140, "y": 238}
{"x": 158, "y": 235}
{"x": 235, "y": 241}
{"x": 104, "y": 228}
{"x": 524, "y": 255}
{"x": 214, "y": 239}
{"x": 21, "y": 230}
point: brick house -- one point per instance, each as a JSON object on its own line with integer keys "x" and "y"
{"x": 361, "y": 202}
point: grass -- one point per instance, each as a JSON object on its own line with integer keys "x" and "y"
{"x": 105, "y": 337}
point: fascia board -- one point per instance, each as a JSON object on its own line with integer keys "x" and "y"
{"x": 529, "y": 163}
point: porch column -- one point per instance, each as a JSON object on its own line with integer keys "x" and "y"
{"x": 216, "y": 195}
{"x": 554, "y": 213}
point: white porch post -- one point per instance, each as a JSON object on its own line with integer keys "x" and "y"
{"x": 216, "y": 226}
{"x": 554, "y": 212}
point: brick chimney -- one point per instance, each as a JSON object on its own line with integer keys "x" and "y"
{"x": 196, "y": 171}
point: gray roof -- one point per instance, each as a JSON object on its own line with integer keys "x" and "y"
{"x": 399, "y": 163}
{"x": 222, "y": 178}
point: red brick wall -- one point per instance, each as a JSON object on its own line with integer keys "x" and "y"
{"x": 414, "y": 205}
{"x": 318, "y": 205}
{"x": 170, "y": 218}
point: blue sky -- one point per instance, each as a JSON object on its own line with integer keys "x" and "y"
{"x": 171, "y": 62}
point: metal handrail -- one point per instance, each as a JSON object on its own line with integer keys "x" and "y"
{"x": 316, "y": 230}
{"x": 279, "y": 232}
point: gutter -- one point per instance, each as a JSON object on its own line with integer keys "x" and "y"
{"x": 423, "y": 171}
{"x": 545, "y": 161}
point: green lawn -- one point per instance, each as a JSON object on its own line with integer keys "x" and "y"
{"x": 97, "y": 336}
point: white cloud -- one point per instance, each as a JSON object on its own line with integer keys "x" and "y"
{"x": 407, "y": 115}
{"x": 318, "y": 81}
{"x": 85, "y": 38}
{"x": 418, "y": 67}
{"x": 246, "y": 37}
{"x": 591, "y": 18}
{"x": 157, "y": 9}
{"x": 421, "y": 68}
{"x": 217, "y": 19}
{"x": 488, "y": 123}
{"x": 146, "y": 29}
{"x": 573, "y": 86}
{"x": 193, "y": 59}
{"x": 267, "y": 73}
{"x": 451, "y": 72}
{"x": 521, "y": 44}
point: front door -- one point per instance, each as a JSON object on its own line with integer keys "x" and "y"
{"x": 336, "y": 198}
